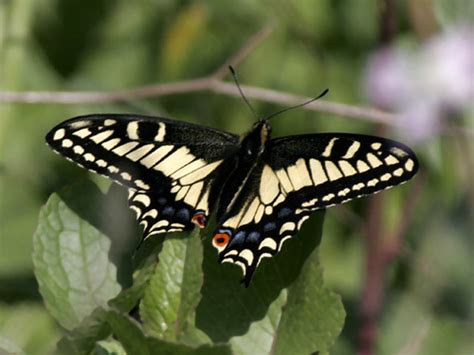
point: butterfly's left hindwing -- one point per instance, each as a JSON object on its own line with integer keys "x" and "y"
{"x": 298, "y": 175}
{"x": 168, "y": 166}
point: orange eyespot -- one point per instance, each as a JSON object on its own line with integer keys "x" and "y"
{"x": 199, "y": 219}
{"x": 220, "y": 240}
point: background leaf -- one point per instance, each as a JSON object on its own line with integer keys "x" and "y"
{"x": 129, "y": 333}
{"x": 71, "y": 264}
{"x": 167, "y": 308}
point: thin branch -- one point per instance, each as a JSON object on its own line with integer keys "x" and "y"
{"x": 213, "y": 83}
{"x": 280, "y": 97}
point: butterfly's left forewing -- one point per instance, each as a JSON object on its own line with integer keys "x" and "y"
{"x": 168, "y": 166}
{"x": 298, "y": 175}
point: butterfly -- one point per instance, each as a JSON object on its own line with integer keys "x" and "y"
{"x": 261, "y": 189}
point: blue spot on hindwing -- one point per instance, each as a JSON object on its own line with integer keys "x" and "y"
{"x": 269, "y": 226}
{"x": 183, "y": 214}
{"x": 285, "y": 211}
{"x": 253, "y": 237}
{"x": 238, "y": 239}
{"x": 168, "y": 211}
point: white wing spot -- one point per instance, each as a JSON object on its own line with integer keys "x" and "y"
{"x": 193, "y": 194}
{"x": 385, "y": 177}
{"x": 83, "y": 133}
{"x": 398, "y": 172}
{"x": 347, "y": 168}
{"x": 140, "y": 152}
{"x": 154, "y": 157}
{"x": 160, "y": 135}
{"x": 176, "y": 160}
{"x": 113, "y": 169}
{"x": 126, "y": 176}
{"x": 269, "y": 185}
{"x": 67, "y": 143}
{"x": 268, "y": 210}
{"x": 362, "y": 166}
{"x": 111, "y": 143}
{"x": 247, "y": 255}
{"x": 328, "y": 197}
{"x": 317, "y": 171}
{"x": 200, "y": 173}
{"x": 352, "y": 150}
{"x": 391, "y": 160}
{"x": 376, "y": 146}
{"x": 251, "y": 211}
{"x": 100, "y": 163}
{"x": 79, "y": 124}
{"x": 140, "y": 184}
{"x": 100, "y": 137}
{"x": 91, "y": 157}
{"x": 153, "y": 213}
{"x": 372, "y": 182}
{"x": 132, "y": 130}
{"x": 409, "y": 165}
{"x": 309, "y": 203}
{"x": 344, "y": 192}
{"x": 398, "y": 152}
{"x": 333, "y": 171}
{"x": 299, "y": 174}
{"x": 358, "y": 186}
{"x": 284, "y": 180}
{"x": 143, "y": 199}
{"x": 109, "y": 122}
{"x": 373, "y": 160}
{"x": 159, "y": 224}
{"x": 59, "y": 134}
{"x": 327, "y": 151}
{"x": 125, "y": 148}
{"x": 78, "y": 149}
{"x": 259, "y": 213}
{"x": 288, "y": 226}
{"x": 268, "y": 243}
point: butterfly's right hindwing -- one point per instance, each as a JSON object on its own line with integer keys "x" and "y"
{"x": 168, "y": 166}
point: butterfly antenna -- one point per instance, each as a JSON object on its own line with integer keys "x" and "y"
{"x": 234, "y": 75}
{"x": 299, "y": 105}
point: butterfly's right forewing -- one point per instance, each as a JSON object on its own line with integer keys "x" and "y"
{"x": 168, "y": 166}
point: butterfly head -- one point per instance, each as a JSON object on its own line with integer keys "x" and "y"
{"x": 253, "y": 143}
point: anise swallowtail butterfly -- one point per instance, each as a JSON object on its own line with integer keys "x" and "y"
{"x": 261, "y": 189}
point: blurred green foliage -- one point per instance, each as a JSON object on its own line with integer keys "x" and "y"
{"x": 109, "y": 45}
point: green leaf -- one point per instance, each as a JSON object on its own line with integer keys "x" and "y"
{"x": 9, "y": 347}
{"x": 83, "y": 338}
{"x": 134, "y": 341}
{"x": 286, "y": 303}
{"x": 71, "y": 259}
{"x": 28, "y": 326}
{"x": 145, "y": 264}
{"x": 110, "y": 347}
{"x": 173, "y": 293}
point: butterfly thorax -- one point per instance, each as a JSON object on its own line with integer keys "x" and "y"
{"x": 252, "y": 144}
{"x": 246, "y": 161}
